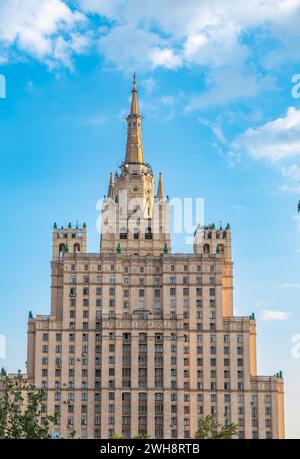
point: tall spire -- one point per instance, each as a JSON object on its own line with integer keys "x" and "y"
{"x": 134, "y": 147}
{"x": 134, "y": 101}
{"x": 160, "y": 188}
{"x": 110, "y": 193}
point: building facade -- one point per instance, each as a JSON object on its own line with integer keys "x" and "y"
{"x": 141, "y": 340}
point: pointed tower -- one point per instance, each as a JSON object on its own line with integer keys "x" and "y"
{"x": 134, "y": 221}
{"x": 134, "y": 147}
{"x": 110, "y": 193}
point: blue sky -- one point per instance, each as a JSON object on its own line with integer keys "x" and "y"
{"x": 220, "y": 122}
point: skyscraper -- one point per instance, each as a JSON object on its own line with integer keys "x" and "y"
{"x": 140, "y": 340}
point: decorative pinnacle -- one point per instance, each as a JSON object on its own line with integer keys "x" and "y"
{"x": 160, "y": 188}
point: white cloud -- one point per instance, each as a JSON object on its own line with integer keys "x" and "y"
{"x": 227, "y": 84}
{"x": 128, "y": 48}
{"x": 43, "y": 29}
{"x": 215, "y": 128}
{"x": 206, "y": 33}
{"x": 292, "y": 173}
{"x": 148, "y": 84}
{"x": 267, "y": 314}
{"x": 290, "y": 285}
{"x": 273, "y": 141}
{"x": 295, "y": 189}
{"x": 164, "y": 58}
{"x": 151, "y": 34}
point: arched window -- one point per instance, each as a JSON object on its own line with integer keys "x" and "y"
{"x": 61, "y": 250}
{"x": 209, "y": 235}
{"x": 206, "y": 248}
{"x": 76, "y": 248}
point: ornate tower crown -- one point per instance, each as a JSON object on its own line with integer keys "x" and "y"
{"x": 133, "y": 221}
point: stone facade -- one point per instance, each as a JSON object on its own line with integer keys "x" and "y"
{"x": 141, "y": 340}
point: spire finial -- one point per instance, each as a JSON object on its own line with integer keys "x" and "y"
{"x": 134, "y": 101}
{"x": 160, "y": 188}
{"x": 110, "y": 193}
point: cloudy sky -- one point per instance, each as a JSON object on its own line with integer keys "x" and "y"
{"x": 219, "y": 90}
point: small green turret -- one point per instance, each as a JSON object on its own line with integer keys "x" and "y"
{"x": 119, "y": 248}
{"x": 30, "y": 315}
{"x": 166, "y": 248}
{"x": 3, "y": 372}
{"x": 54, "y": 225}
{"x": 70, "y": 225}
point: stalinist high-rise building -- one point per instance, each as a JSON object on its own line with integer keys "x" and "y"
{"x": 141, "y": 340}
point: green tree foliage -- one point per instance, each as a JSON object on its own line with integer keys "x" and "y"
{"x": 20, "y": 410}
{"x": 208, "y": 428}
{"x": 141, "y": 437}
